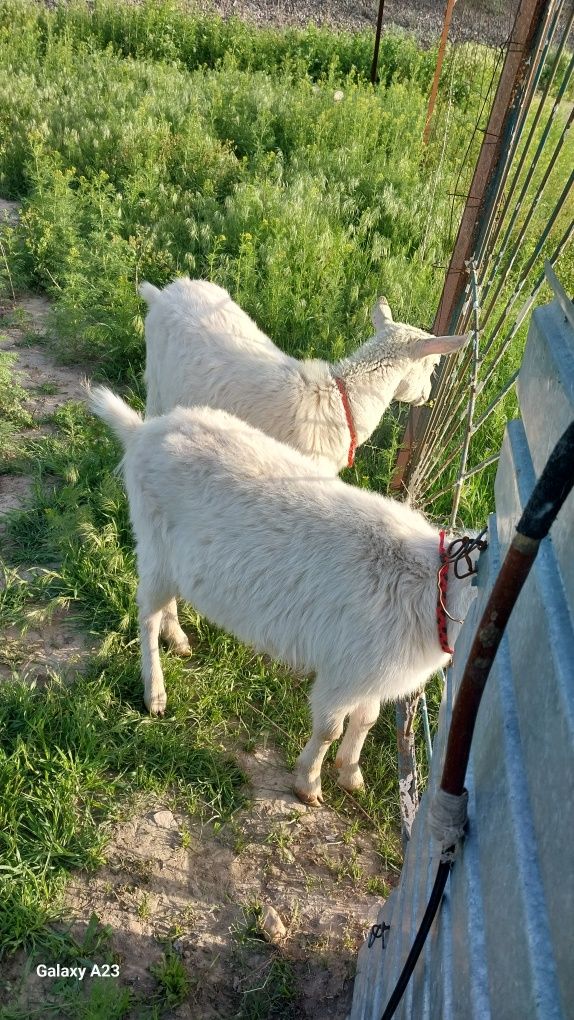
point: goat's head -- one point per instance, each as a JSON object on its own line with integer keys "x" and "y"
{"x": 420, "y": 352}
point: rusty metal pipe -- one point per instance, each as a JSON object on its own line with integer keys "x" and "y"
{"x": 490, "y": 170}
{"x": 549, "y": 494}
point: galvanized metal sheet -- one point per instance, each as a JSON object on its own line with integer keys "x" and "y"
{"x": 502, "y": 943}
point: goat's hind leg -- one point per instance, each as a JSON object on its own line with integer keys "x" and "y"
{"x": 171, "y": 631}
{"x": 151, "y": 603}
{"x": 327, "y": 727}
{"x": 361, "y": 719}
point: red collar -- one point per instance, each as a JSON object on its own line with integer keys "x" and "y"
{"x": 350, "y": 421}
{"x": 442, "y": 585}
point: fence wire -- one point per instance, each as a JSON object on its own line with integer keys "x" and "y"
{"x": 531, "y": 224}
{"x": 468, "y": 84}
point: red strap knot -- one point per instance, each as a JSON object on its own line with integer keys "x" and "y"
{"x": 349, "y": 417}
{"x": 442, "y": 585}
{"x": 458, "y": 551}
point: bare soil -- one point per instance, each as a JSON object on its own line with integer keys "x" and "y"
{"x": 167, "y": 874}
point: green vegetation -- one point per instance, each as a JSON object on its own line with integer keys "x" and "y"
{"x": 65, "y": 757}
{"x": 172, "y": 978}
{"x": 13, "y": 415}
{"x": 273, "y": 997}
{"x": 305, "y": 207}
{"x": 270, "y": 992}
{"x": 144, "y": 144}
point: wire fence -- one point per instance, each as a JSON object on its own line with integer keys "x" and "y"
{"x": 524, "y": 232}
{"x": 478, "y": 64}
{"x": 467, "y": 87}
{"x": 529, "y": 223}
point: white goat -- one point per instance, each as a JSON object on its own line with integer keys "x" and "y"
{"x": 203, "y": 349}
{"x": 326, "y": 576}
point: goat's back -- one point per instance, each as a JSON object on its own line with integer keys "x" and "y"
{"x": 203, "y": 349}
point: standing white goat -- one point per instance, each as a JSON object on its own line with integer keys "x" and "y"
{"x": 325, "y": 576}
{"x": 203, "y": 349}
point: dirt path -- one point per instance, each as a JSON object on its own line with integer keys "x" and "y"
{"x": 167, "y": 874}
{"x": 57, "y": 645}
{"x": 170, "y": 879}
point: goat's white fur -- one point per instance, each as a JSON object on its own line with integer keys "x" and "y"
{"x": 203, "y": 349}
{"x": 325, "y": 576}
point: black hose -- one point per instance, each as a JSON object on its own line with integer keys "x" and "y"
{"x": 420, "y": 938}
{"x": 550, "y": 492}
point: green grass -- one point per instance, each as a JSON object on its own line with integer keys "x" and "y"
{"x": 172, "y": 977}
{"x": 146, "y": 144}
{"x": 100, "y": 994}
{"x": 270, "y": 992}
{"x": 67, "y": 756}
{"x": 273, "y": 995}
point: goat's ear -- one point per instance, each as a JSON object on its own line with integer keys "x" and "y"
{"x": 439, "y": 345}
{"x": 381, "y": 313}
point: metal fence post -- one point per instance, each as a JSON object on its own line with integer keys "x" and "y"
{"x": 440, "y": 57}
{"x": 408, "y": 784}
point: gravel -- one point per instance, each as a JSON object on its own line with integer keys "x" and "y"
{"x": 485, "y": 21}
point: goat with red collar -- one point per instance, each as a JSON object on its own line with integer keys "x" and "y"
{"x": 202, "y": 349}
{"x": 266, "y": 543}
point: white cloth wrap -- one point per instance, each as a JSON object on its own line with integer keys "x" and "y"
{"x": 447, "y": 818}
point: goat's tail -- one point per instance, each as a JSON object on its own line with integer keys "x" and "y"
{"x": 123, "y": 420}
{"x": 148, "y": 292}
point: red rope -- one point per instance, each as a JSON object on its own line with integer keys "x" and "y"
{"x": 441, "y": 598}
{"x": 350, "y": 422}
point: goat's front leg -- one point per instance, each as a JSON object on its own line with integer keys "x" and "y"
{"x": 171, "y": 631}
{"x": 327, "y": 727}
{"x": 150, "y": 615}
{"x": 361, "y": 719}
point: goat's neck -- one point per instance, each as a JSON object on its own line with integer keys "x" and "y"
{"x": 370, "y": 391}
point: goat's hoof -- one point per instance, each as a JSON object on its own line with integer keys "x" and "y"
{"x": 156, "y": 705}
{"x": 182, "y": 648}
{"x": 309, "y": 795}
{"x": 351, "y": 779}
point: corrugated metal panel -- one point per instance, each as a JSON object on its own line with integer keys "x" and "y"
{"x": 546, "y": 395}
{"x": 501, "y": 946}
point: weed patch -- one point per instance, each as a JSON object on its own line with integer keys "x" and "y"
{"x": 246, "y": 168}
{"x": 13, "y": 416}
